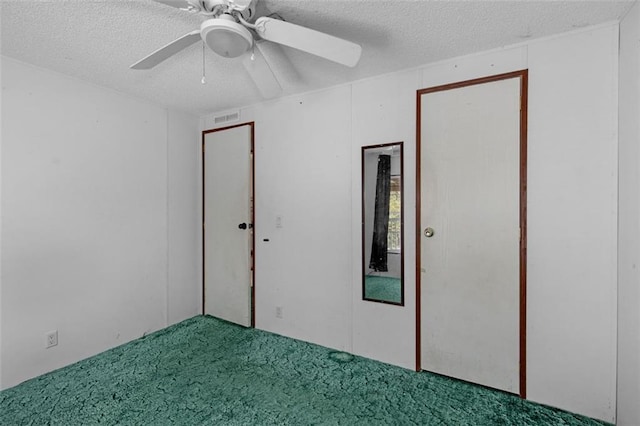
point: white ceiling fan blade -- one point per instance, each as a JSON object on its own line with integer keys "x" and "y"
{"x": 311, "y": 41}
{"x": 167, "y": 51}
{"x": 261, "y": 73}
{"x": 179, "y": 4}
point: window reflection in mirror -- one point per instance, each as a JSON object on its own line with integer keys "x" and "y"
{"x": 382, "y": 223}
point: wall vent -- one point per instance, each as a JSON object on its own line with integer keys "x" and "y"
{"x": 226, "y": 118}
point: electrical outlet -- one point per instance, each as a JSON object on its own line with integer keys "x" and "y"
{"x": 278, "y": 221}
{"x": 279, "y": 312}
{"x": 52, "y": 339}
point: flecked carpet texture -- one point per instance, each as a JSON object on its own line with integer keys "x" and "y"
{"x": 383, "y": 288}
{"x": 205, "y": 371}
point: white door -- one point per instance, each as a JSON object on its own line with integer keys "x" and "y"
{"x": 227, "y": 242}
{"x": 470, "y": 198}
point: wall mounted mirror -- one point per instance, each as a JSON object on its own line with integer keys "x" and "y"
{"x": 382, "y": 224}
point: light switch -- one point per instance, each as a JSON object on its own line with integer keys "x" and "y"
{"x": 278, "y": 221}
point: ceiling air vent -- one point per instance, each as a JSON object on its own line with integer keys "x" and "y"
{"x": 226, "y": 118}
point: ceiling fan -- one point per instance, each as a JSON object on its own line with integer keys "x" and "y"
{"x": 228, "y": 31}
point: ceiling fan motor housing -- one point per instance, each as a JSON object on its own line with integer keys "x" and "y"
{"x": 225, "y": 36}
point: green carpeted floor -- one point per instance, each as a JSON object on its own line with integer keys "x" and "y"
{"x": 382, "y": 288}
{"x": 204, "y": 371}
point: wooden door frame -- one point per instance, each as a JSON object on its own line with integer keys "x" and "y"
{"x": 523, "y": 75}
{"x": 252, "y": 261}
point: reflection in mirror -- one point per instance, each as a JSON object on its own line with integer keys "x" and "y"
{"x": 382, "y": 224}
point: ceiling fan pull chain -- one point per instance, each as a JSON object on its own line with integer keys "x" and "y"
{"x": 204, "y": 80}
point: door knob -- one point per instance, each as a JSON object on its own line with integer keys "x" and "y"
{"x": 242, "y": 226}
{"x": 428, "y": 232}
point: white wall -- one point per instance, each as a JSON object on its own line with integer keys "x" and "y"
{"x": 629, "y": 222}
{"x": 303, "y": 173}
{"x": 85, "y": 229}
{"x": 383, "y": 111}
{"x": 572, "y": 222}
{"x": 184, "y": 288}
{"x": 308, "y": 171}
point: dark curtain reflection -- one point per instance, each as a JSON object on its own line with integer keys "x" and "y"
{"x": 378, "y": 260}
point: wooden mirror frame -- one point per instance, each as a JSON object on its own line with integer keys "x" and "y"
{"x": 364, "y": 150}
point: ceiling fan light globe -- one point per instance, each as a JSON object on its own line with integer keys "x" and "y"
{"x": 226, "y": 37}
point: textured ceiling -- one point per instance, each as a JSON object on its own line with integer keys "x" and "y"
{"x": 97, "y": 41}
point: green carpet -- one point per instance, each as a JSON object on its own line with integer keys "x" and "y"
{"x": 382, "y": 288}
{"x": 205, "y": 371}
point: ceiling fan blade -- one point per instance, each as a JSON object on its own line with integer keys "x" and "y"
{"x": 311, "y": 41}
{"x": 261, "y": 73}
{"x": 167, "y": 51}
{"x": 179, "y": 4}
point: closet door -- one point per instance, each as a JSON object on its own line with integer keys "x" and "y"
{"x": 470, "y": 233}
{"x": 228, "y": 228}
